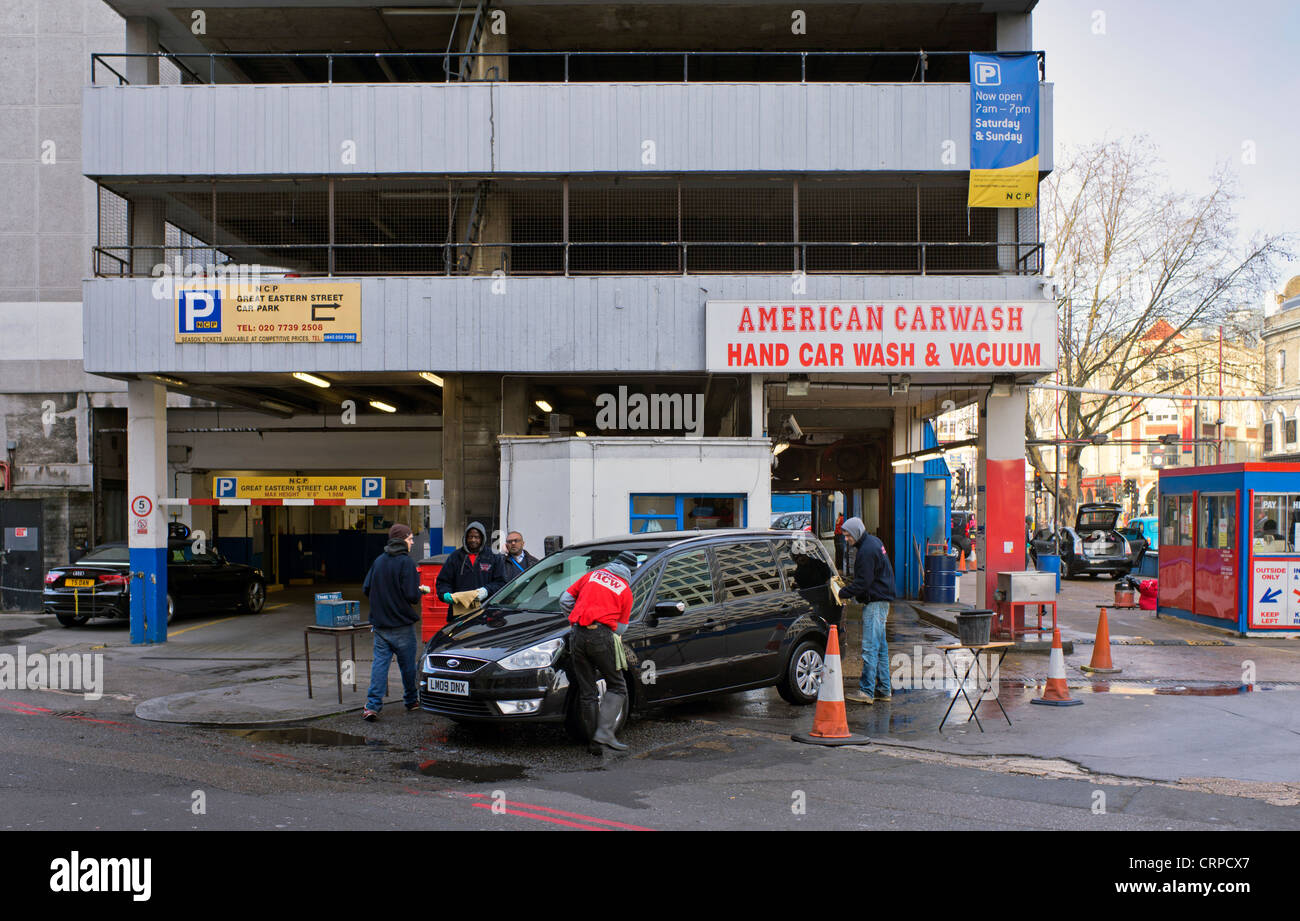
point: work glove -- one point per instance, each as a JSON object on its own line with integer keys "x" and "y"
{"x": 482, "y": 593}
{"x": 446, "y": 596}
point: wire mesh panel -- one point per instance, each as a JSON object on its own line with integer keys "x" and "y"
{"x": 390, "y": 227}
{"x": 967, "y": 233}
{"x": 1029, "y": 257}
{"x": 533, "y": 225}
{"x": 623, "y": 227}
{"x": 754, "y": 220}
{"x": 112, "y": 256}
{"x": 276, "y": 224}
{"x": 865, "y": 215}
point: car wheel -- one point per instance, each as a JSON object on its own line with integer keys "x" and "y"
{"x": 802, "y": 677}
{"x": 171, "y": 609}
{"x": 73, "y": 620}
{"x": 254, "y": 596}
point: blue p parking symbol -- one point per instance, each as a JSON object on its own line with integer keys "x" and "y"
{"x": 225, "y": 487}
{"x": 200, "y": 311}
{"x": 372, "y": 487}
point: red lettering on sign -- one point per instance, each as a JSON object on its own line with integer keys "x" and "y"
{"x": 806, "y": 320}
{"x": 960, "y": 318}
{"x": 875, "y": 316}
{"x": 746, "y": 322}
{"x": 979, "y": 323}
{"x": 766, "y": 318}
{"x": 900, "y": 318}
{"x": 1013, "y": 319}
{"x": 936, "y": 317}
{"x": 787, "y": 319}
{"x": 836, "y": 323}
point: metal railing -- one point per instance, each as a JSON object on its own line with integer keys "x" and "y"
{"x": 563, "y": 66}
{"x": 582, "y": 258}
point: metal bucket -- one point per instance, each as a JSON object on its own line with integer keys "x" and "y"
{"x": 1125, "y": 597}
{"x": 973, "y": 627}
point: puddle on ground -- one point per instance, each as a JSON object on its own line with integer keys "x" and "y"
{"x": 302, "y": 735}
{"x": 11, "y": 637}
{"x": 472, "y": 773}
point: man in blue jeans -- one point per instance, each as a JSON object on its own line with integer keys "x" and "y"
{"x": 393, "y": 585}
{"x": 873, "y": 585}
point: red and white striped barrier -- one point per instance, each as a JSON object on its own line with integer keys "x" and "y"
{"x": 352, "y": 503}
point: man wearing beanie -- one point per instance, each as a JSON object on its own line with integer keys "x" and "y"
{"x": 599, "y": 606}
{"x": 393, "y": 585}
{"x": 873, "y": 585}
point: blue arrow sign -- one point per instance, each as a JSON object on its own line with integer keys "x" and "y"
{"x": 1271, "y": 595}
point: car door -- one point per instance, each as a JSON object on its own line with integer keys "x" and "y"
{"x": 756, "y": 610}
{"x": 685, "y": 650}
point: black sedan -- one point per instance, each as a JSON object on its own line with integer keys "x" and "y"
{"x": 98, "y": 584}
{"x": 712, "y": 612}
{"x": 1093, "y": 545}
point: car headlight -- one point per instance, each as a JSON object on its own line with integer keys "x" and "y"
{"x": 539, "y": 656}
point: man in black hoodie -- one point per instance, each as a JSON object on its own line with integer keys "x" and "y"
{"x": 473, "y": 567}
{"x": 393, "y": 585}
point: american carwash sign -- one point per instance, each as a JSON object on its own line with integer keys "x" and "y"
{"x": 1003, "y": 131}
{"x": 975, "y": 337}
{"x": 265, "y": 312}
{"x": 298, "y": 487}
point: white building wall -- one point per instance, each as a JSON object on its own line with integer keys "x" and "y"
{"x": 579, "y": 488}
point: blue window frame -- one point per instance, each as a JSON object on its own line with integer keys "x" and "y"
{"x": 648, "y": 512}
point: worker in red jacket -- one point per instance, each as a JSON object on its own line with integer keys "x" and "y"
{"x": 599, "y": 606}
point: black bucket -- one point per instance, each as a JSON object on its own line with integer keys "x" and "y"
{"x": 940, "y": 579}
{"x": 973, "y": 627}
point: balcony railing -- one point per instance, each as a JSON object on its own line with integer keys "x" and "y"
{"x": 586, "y": 258}
{"x": 548, "y": 67}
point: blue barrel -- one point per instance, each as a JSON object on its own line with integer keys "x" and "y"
{"x": 1051, "y": 562}
{"x": 940, "y": 579}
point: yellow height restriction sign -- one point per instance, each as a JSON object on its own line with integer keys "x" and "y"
{"x": 265, "y": 312}
{"x": 297, "y": 487}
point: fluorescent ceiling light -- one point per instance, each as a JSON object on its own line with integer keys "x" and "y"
{"x": 929, "y": 456}
{"x": 431, "y": 378}
{"x": 417, "y": 10}
{"x": 382, "y": 406}
{"x": 780, "y": 447}
{"x": 168, "y": 381}
{"x": 278, "y": 407}
{"x": 901, "y": 462}
{"x": 580, "y": 433}
{"x": 544, "y": 406}
{"x": 311, "y": 379}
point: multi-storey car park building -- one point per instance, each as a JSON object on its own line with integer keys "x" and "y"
{"x": 576, "y": 268}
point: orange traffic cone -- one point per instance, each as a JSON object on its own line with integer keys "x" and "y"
{"x": 1101, "y": 664}
{"x": 961, "y": 563}
{"x": 830, "y": 722}
{"x": 974, "y": 563}
{"x": 1056, "y": 694}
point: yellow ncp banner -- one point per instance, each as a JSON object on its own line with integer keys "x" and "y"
{"x": 1004, "y": 131}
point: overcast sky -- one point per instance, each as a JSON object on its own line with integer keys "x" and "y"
{"x": 1200, "y": 78}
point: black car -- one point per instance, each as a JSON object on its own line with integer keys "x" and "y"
{"x": 98, "y": 584}
{"x": 712, "y": 612}
{"x": 1137, "y": 542}
{"x": 1094, "y": 545}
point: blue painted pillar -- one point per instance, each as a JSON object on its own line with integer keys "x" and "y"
{"x": 146, "y": 445}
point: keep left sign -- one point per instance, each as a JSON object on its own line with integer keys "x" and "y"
{"x": 1271, "y": 597}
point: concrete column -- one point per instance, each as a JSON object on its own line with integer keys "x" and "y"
{"x": 1001, "y": 508}
{"x": 141, "y": 38}
{"x": 146, "y": 445}
{"x": 147, "y": 218}
{"x": 757, "y": 406}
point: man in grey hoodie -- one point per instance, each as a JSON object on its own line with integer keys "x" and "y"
{"x": 873, "y": 585}
{"x": 393, "y": 585}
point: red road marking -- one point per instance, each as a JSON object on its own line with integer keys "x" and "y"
{"x": 541, "y": 818}
{"x": 572, "y": 815}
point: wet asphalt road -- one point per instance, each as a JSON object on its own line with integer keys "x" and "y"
{"x": 722, "y": 763}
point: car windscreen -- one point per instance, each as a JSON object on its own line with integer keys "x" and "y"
{"x": 540, "y": 588}
{"x": 107, "y": 555}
